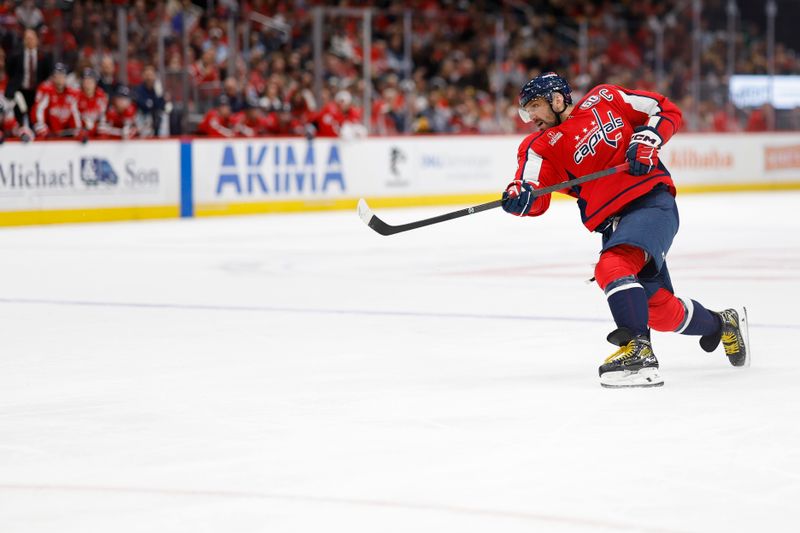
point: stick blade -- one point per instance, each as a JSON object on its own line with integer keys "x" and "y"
{"x": 364, "y": 211}
{"x": 371, "y": 220}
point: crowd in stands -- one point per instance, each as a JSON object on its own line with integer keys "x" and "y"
{"x": 61, "y": 71}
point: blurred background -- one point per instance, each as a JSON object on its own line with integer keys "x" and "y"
{"x": 223, "y": 68}
{"x": 298, "y": 372}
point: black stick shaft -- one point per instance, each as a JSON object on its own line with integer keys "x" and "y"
{"x": 386, "y": 229}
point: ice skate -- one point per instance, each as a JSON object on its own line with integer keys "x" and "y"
{"x": 734, "y": 337}
{"x": 633, "y": 365}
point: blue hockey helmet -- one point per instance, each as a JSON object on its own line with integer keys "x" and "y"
{"x": 543, "y": 86}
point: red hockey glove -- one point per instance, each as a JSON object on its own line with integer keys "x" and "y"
{"x": 518, "y": 198}
{"x": 642, "y": 154}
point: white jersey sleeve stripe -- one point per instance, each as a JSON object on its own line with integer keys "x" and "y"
{"x": 643, "y": 104}
{"x": 533, "y": 165}
{"x": 41, "y": 105}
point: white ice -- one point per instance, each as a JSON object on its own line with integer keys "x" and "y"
{"x": 301, "y": 373}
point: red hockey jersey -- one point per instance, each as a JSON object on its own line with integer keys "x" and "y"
{"x": 56, "y": 113}
{"x": 248, "y": 126}
{"x": 331, "y": 117}
{"x": 215, "y": 125}
{"x": 119, "y": 124}
{"x": 595, "y": 137}
{"x": 92, "y": 110}
{"x": 287, "y": 127}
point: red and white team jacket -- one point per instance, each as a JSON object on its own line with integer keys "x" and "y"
{"x": 119, "y": 124}
{"x": 595, "y": 137}
{"x": 55, "y": 112}
{"x": 92, "y": 110}
{"x": 330, "y": 119}
{"x": 248, "y": 127}
{"x": 275, "y": 126}
{"x": 215, "y": 125}
{"x": 8, "y": 121}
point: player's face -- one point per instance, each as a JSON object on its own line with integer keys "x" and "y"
{"x": 89, "y": 85}
{"x": 541, "y": 114}
{"x": 59, "y": 80}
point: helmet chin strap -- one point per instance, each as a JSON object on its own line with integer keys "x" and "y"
{"x": 558, "y": 113}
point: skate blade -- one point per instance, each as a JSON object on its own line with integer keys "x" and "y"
{"x": 743, "y": 324}
{"x": 625, "y": 379}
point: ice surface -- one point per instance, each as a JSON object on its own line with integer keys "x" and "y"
{"x": 301, "y": 373}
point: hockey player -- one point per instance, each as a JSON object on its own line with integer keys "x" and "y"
{"x": 280, "y": 121}
{"x": 92, "y": 103}
{"x": 634, "y": 211}
{"x": 9, "y": 127}
{"x": 338, "y": 117}
{"x": 249, "y": 122}
{"x": 217, "y": 121}
{"x": 120, "y": 120}
{"x": 56, "y": 108}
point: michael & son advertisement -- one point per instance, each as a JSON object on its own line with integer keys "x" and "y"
{"x": 102, "y": 174}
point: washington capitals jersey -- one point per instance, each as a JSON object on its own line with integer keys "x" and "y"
{"x": 593, "y": 138}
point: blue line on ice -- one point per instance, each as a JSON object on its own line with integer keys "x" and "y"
{"x": 323, "y": 311}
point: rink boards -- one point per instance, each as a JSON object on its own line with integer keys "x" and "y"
{"x": 65, "y": 181}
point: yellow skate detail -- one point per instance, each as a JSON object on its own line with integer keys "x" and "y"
{"x": 730, "y": 342}
{"x": 625, "y": 352}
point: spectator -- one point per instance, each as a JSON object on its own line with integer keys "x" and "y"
{"x": 150, "y": 102}
{"x": 26, "y": 70}
{"x": 388, "y": 113}
{"x": 423, "y": 117}
{"x": 218, "y": 121}
{"x": 28, "y": 15}
{"x": 108, "y": 76}
{"x": 216, "y": 43}
{"x": 56, "y": 107}
{"x": 724, "y": 119}
{"x": 120, "y": 122}
{"x": 622, "y": 51}
{"x": 3, "y": 74}
{"x": 757, "y": 121}
{"x": 302, "y": 104}
{"x": 92, "y": 104}
{"x": 205, "y": 70}
{"x": 231, "y": 89}
{"x": 271, "y": 98}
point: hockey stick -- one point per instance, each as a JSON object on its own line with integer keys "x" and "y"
{"x": 23, "y": 108}
{"x": 372, "y": 220}
{"x": 26, "y": 135}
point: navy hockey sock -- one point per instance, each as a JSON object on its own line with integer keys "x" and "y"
{"x": 698, "y": 320}
{"x": 628, "y": 303}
